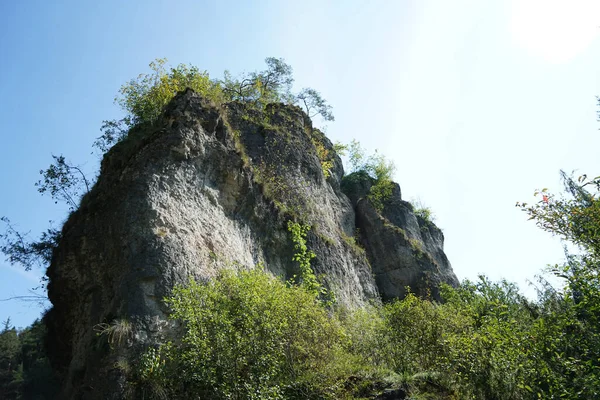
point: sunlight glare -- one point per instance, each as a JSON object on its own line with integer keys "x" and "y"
{"x": 555, "y": 30}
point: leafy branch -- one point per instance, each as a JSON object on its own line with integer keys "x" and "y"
{"x": 20, "y": 250}
{"x": 64, "y": 181}
{"x": 314, "y": 104}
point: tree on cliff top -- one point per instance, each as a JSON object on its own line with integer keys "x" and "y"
{"x": 143, "y": 99}
{"x": 269, "y": 86}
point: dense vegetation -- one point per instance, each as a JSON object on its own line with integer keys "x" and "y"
{"x": 251, "y": 336}
{"x": 248, "y": 335}
{"x": 25, "y": 372}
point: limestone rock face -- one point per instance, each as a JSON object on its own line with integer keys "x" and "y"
{"x": 404, "y": 249}
{"x": 208, "y": 188}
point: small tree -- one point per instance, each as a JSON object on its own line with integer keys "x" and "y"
{"x": 574, "y": 218}
{"x": 571, "y": 349}
{"x": 144, "y": 98}
{"x": 268, "y": 86}
{"x": 113, "y": 131}
{"x": 314, "y": 104}
{"x": 64, "y": 182}
{"x": 20, "y": 250}
{"x": 378, "y": 167}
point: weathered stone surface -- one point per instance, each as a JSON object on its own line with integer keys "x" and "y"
{"x": 404, "y": 249}
{"x": 208, "y": 188}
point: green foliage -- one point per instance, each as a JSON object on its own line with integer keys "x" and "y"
{"x": 9, "y": 362}
{"x": 574, "y": 218}
{"x": 287, "y": 195}
{"x": 568, "y": 335}
{"x": 39, "y": 381}
{"x": 314, "y": 104}
{"x": 324, "y": 154}
{"x": 117, "y": 333}
{"x": 368, "y": 337}
{"x": 488, "y": 356}
{"x": 378, "y": 168}
{"x": 380, "y": 192}
{"x": 113, "y": 131}
{"x": 356, "y": 156}
{"x": 423, "y": 211}
{"x": 153, "y": 376}
{"x": 144, "y": 98}
{"x": 249, "y": 336}
{"x": 340, "y": 148}
{"x": 353, "y": 242}
{"x": 376, "y": 165}
{"x": 303, "y": 256}
{"x": 419, "y": 348}
{"x": 25, "y": 372}
{"x": 486, "y": 341}
{"x": 64, "y": 182}
{"x": 268, "y": 86}
{"x": 20, "y": 250}
{"x": 417, "y": 246}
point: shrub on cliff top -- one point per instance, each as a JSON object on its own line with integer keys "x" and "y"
{"x": 143, "y": 99}
{"x": 377, "y": 167}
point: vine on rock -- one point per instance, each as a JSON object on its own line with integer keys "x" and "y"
{"x": 304, "y": 256}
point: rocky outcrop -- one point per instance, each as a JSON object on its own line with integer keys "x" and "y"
{"x": 208, "y": 188}
{"x": 405, "y": 250}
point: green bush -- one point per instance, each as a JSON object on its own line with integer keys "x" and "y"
{"x": 145, "y": 97}
{"x": 378, "y": 168}
{"x": 423, "y": 212}
{"x": 248, "y": 335}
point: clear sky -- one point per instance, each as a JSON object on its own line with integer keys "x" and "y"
{"x": 477, "y": 102}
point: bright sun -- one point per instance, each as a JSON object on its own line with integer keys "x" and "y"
{"x": 556, "y": 30}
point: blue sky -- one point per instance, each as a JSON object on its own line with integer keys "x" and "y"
{"x": 478, "y": 103}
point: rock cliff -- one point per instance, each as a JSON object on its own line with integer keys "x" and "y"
{"x": 404, "y": 249}
{"x": 208, "y": 188}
